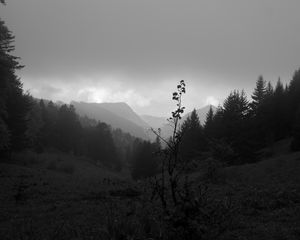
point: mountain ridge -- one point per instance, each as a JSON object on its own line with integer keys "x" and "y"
{"x": 108, "y": 113}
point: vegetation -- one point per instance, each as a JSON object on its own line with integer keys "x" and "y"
{"x": 233, "y": 177}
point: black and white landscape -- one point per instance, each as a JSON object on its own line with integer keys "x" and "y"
{"x": 139, "y": 120}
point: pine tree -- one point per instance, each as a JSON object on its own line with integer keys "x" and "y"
{"x": 235, "y": 126}
{"x": 209, "y": 122}
{"x": 259, "y": 94}
{"x": 294, "y": 93}
{"x": 14, "y": 104}
{"x": 236, "y": 105}
{"x": 280, "y": 112}
{"x": 192, "y": 136}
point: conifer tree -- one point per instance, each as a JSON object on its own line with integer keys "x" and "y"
{"x": 209, "y": 122}
{"x": 192, "y": 136}
{"x": 209, "y": 116}
{"x": 294, "y": 93}
{"x": 14, "y": 104}
{"x": 259, "y": 94}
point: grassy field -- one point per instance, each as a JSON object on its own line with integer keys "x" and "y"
{"x": 55, "y": 196}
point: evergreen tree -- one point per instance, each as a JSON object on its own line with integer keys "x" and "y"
{"x": 281, "y": 119}
{"x": 294, "y": 94}
{"x": 192, "y": 136}
{"x": 209, "y": 122}
{"x": 14, "y": 104}
{"x": 259, "y": 94}
{"x": 269, "y": 90}
{"x": 235, "y": 126}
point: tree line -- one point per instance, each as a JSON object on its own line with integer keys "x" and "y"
{"x": 239, "y": 128}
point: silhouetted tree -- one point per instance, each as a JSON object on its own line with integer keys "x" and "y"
{"x": 232, "y": 126}
{"x": 192, "y": 137}
{"x": 259, "y": 94}
{"x": 294, "y": 94}
{"x": 280, "y": 112}
{"x": 269, "y": 90}
{"x": 208, "y": 127}
{"x": 14, "y": 104}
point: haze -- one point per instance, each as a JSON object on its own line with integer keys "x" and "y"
{"x": 136, "y": 50}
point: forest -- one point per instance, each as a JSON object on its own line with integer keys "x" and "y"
{"x": 173, "y": 189}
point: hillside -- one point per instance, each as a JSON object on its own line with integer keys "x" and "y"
{"x": 154, "y": 122}
{"x": 125, "y": 111}
{"x": 117, "y": 115}
{"x": 55, "y": 196}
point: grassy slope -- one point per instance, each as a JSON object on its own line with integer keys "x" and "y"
{"x": 43, "y": 196}
{"x": 266, "y": 197}
{"x": 52, "y": 196}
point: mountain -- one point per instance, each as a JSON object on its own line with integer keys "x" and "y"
{"x": 123, "y": 110}
{"x": 117, "y": 115}
{"x": 154, "y": 122}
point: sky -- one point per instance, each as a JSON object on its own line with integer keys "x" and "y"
{"x": 136, "y": 51}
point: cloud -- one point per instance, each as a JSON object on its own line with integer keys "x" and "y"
{"x": 211, "y": 100}
{"x": 88, "y": 90}
{"x": 137, "y": 51}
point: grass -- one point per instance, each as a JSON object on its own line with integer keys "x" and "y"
{"x": 56, "y": 196}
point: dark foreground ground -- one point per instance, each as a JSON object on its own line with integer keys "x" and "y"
{"x": 51, "y": 196}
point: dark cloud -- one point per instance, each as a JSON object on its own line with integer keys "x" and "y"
{"x": 138, "y": 49}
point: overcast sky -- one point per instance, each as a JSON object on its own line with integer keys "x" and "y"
{"x": 137, "y": 50}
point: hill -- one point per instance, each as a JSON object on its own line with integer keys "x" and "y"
{"x": 56, "y": 196}
{"x": 117, "y": 115}
{"x": 154, "y": 122}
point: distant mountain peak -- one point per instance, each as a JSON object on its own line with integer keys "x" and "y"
{"x": 116, "y": 114}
